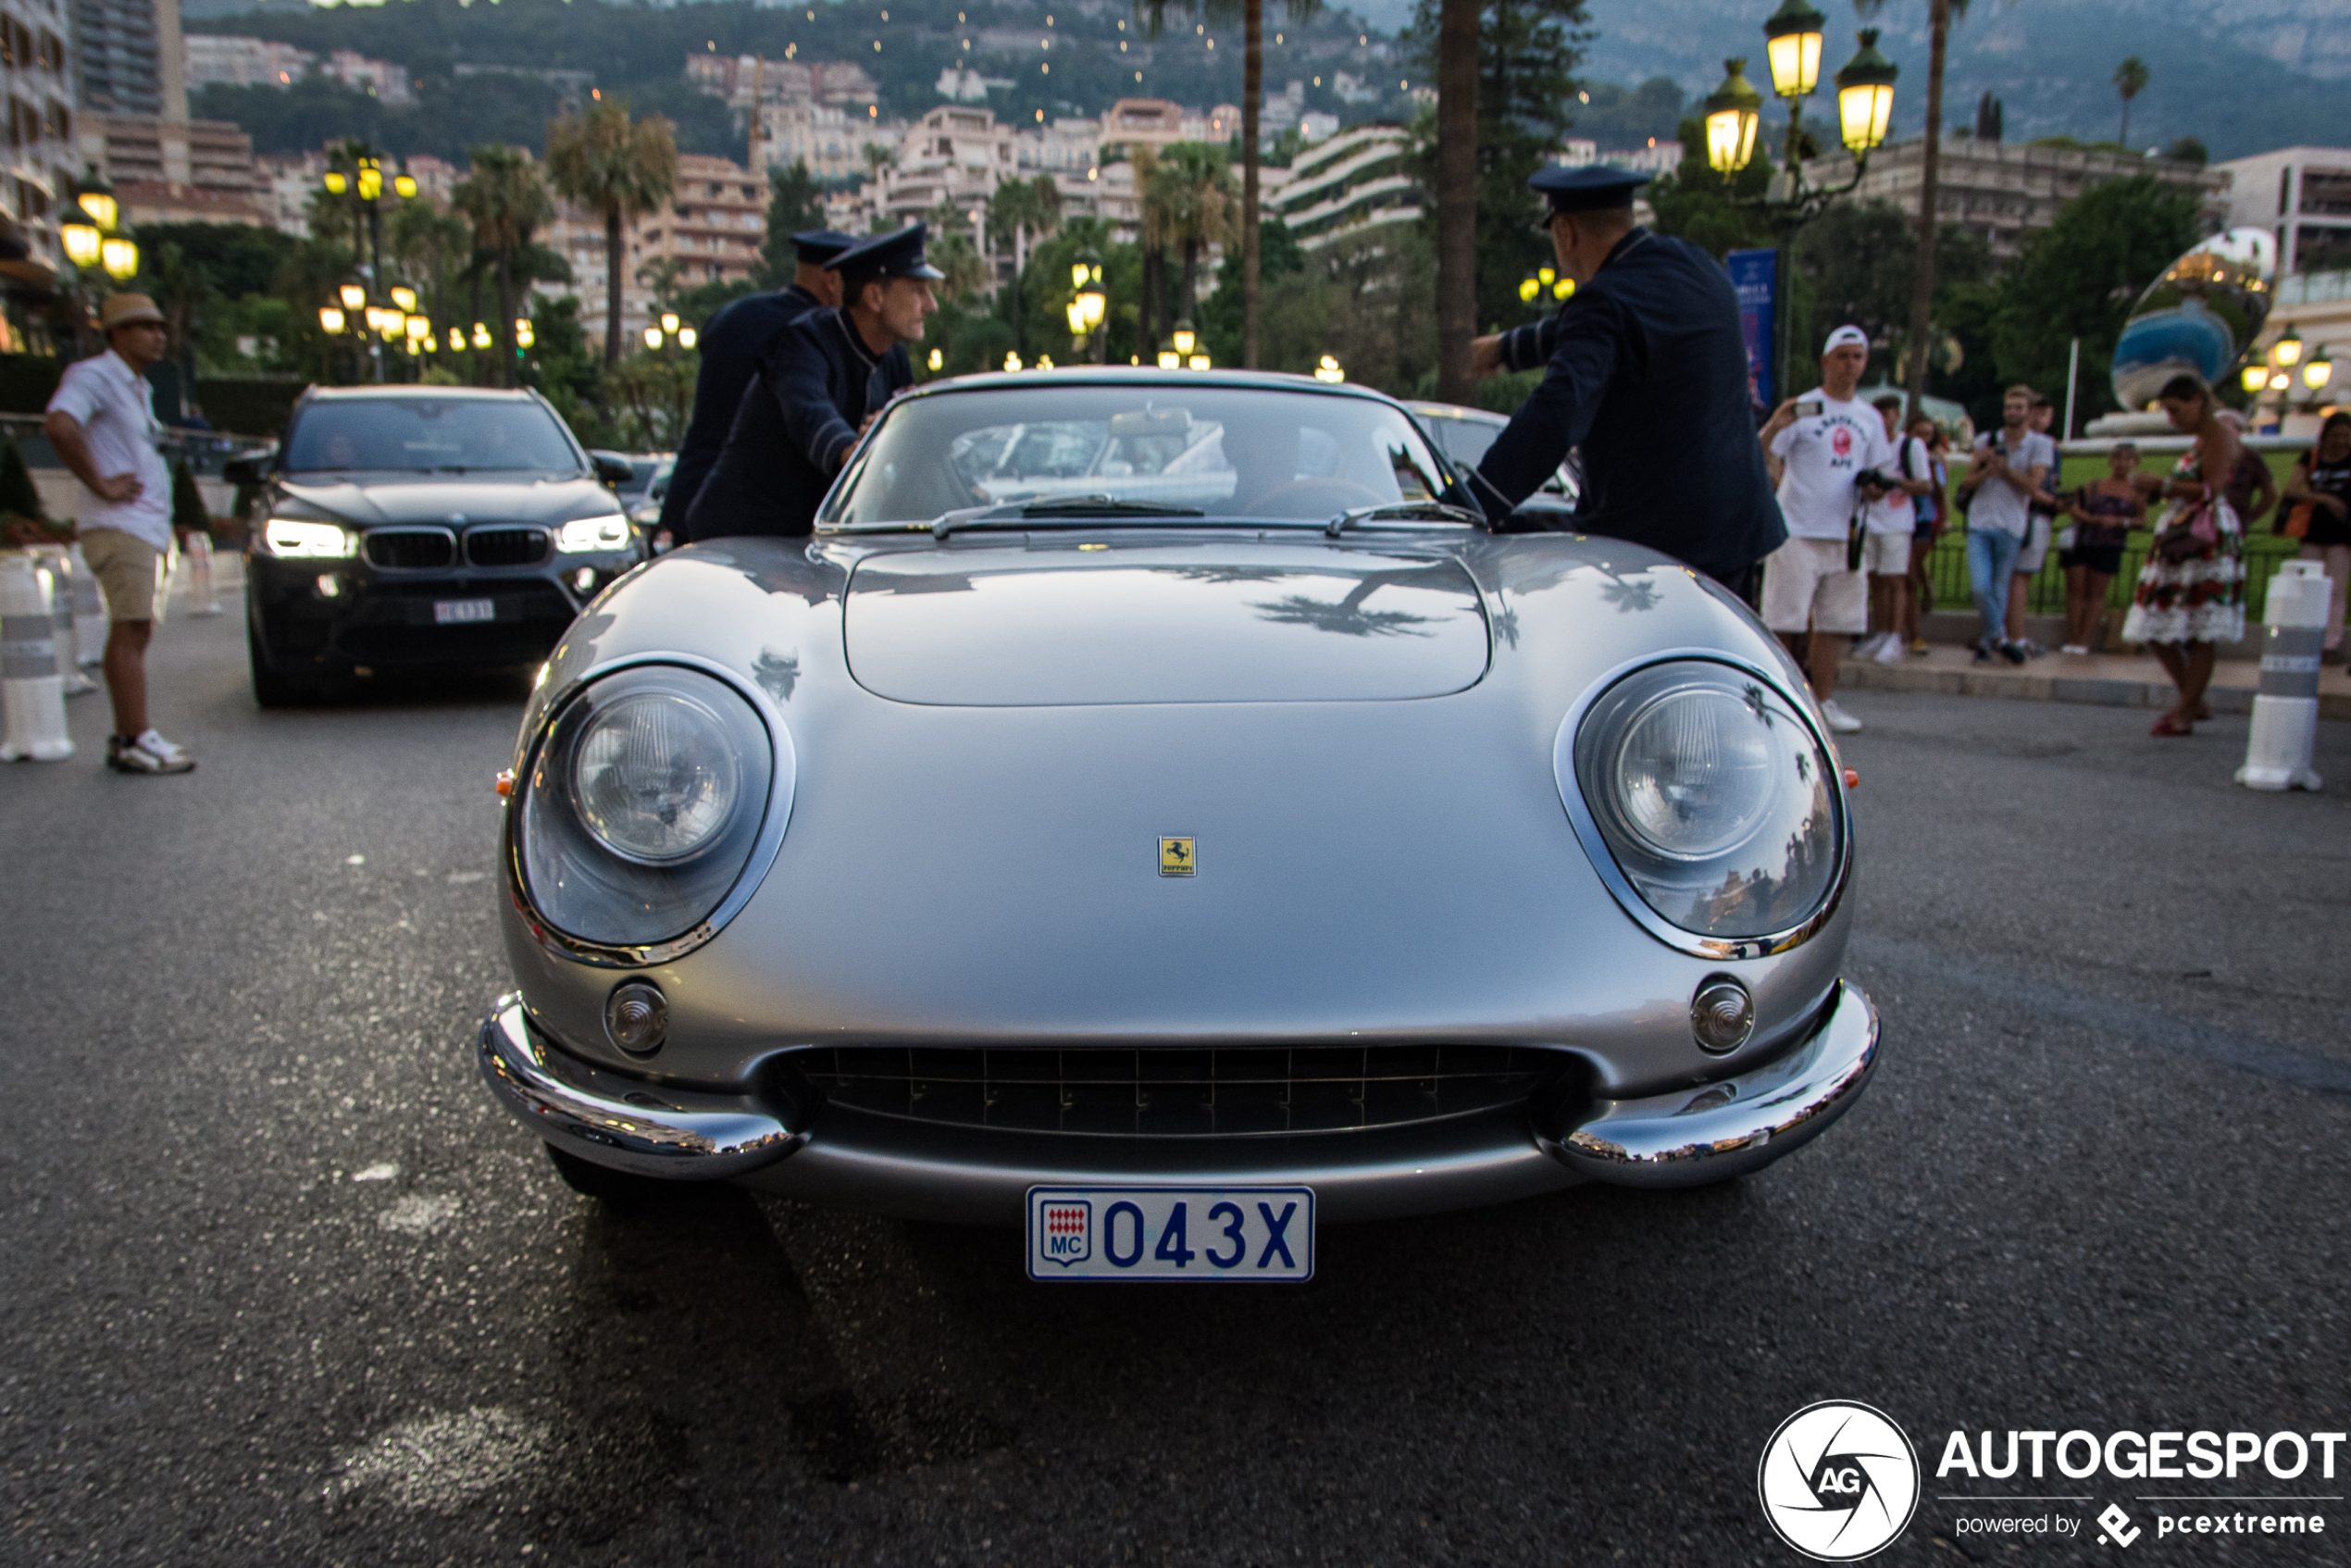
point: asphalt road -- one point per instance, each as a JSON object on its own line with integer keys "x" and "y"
{"x": 281, "y": 1286}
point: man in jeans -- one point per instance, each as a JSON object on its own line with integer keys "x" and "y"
{"x": 103, "y": 423}
{"x": 2007, "y": 470}
{"x": 1818, "y": 447}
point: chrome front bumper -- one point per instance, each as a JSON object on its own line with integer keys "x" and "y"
{"x": 926, "y": 1171}
{"x": 1732, "y": 1125}
{"x": 623, "y": 1122}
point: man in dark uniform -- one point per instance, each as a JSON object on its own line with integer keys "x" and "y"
{"x": 1645, "y": 368}
{"x": 819, "y": 385}
{"x": 732, "y": 345}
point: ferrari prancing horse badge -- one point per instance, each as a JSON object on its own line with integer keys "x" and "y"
{"x": 1175, "y": 857}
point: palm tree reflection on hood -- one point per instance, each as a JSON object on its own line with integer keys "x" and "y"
{"x": 1348, "y": 616}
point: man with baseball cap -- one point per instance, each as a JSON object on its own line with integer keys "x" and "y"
{"x": 103, "y": 423}
{"x": 731, "y": 346}
{"x": 1829, "y": 452}
{"x": 1645, "y": 368}
{"x": 826, "y": 377}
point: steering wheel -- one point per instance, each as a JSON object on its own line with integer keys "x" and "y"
{"x": 1312, "y": 498}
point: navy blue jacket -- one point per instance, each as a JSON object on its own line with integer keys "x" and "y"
{"x": 797, "y": 420}
{"x": 1644, "y": 370}
{"x": 732, "y": 345}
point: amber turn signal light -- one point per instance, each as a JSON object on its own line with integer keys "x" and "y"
{"x": 505, "y": 785}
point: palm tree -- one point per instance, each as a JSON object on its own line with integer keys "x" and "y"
{"x": 1193, "y": 187}
{"x": 1253, "y": 16}
{"x": 504, "y": 198}
{"x": 623, "y": 170}
{"x": 1023, "y": 208}
{"x": 1940, "y": 15}
{"x": 1457, "y": 196}
{"x": 2130, "y": 80}
{"x": 1157, "y": 234}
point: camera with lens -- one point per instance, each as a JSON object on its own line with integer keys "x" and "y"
{"x": 1872, "y": 477}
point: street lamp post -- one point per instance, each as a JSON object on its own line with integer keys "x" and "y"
{"x": 90, "y": 236}
{"x": 1865, "y": 110}
{"x": 1088, "y": 304}
{"x": 365, "y": 184}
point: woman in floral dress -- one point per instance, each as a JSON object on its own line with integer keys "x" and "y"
{"x": 2188, "y": 604}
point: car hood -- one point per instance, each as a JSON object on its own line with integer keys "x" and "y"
{"x": 1047, "y": 623}
{"x": 370, "y": 500}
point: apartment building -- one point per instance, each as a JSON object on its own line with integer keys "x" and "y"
{"x": 2003, "y": 191}
{"x": 176, "y": 171}
{"x": 2302, "y": 195}
{"x": 129, "y": 59}
{"x": 711, "y": 229}
{"x": 219, "y": 60}
{"x": 1351, "y": 184}
{"x": 35, "y": 76}
{"x": 743, "y": 79}
{"x": 829, "y": 139}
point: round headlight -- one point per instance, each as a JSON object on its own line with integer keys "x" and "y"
{"x": 1714, "y": 798}
{"x": 657, "y": 776}
{"x": 641, "y": 805}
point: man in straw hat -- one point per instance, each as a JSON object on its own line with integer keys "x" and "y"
{"x": 103, "y": 423}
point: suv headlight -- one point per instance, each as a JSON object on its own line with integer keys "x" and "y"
{"x": 641, "y": 805}
{"x": 1713, "y": 797}
{"x": 298, "y": 539}
{"x": 609, "y": 532}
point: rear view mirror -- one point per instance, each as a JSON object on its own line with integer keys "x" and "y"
{"x": 1151, "y": 422}
{"x": 611, "y": 470}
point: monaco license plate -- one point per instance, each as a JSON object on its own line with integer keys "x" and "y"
{"x": 1219, "y": 1235}
{"x": 463, "y": 612}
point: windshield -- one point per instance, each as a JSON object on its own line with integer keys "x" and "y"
{"x": 1465, "y": 441}
{"x": 469, "y": 435}
{"x": 1230, "y": 451}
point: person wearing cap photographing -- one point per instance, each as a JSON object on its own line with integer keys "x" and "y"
{"x": 732, "y": 345}
{"x": 1645, "y": 368}
{"x": 825, "y": 378}
{"x": 1828, "y": 451}
{"x": 103, "y": 423}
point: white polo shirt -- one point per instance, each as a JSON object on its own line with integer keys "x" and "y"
{"x": 117, "y": 413}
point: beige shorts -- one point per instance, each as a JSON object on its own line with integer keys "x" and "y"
{"x": 129, "y": 573}
{"x": 1806, "y": 586}
{"x": 2035, "y": 549}
{"x": 1887, "y": 555}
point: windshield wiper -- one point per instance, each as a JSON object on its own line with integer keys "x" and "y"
{"x": 1076, "y": 507}
{"x": 1432, "y": 511}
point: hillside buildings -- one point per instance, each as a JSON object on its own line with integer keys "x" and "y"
{"x": 175, "y": 171}
{"x": 709, "y": 231}
{"x": 129, "y": 59}
{"x": 36, "y": 76}
{"x": 1355, "y": 182}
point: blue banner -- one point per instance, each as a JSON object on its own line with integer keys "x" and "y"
{"x": 1753, "y": 273}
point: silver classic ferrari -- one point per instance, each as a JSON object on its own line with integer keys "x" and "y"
{"x": 1148, "y": 813}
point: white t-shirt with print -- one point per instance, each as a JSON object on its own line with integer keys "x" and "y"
{"x": 1896, "y": 512}
{"x": 1823, "y": 452}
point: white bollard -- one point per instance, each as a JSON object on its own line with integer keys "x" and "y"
{"x": 2285, "y": 710}
{"x": 89, "y": 613}
{"x": 31, "y": 692}
{"x": 200, "y": 575}
{"x": 60, "y": 568}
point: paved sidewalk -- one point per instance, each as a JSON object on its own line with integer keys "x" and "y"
{"x": 2113, "y": 680}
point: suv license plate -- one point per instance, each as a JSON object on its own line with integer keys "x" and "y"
{"x": 461, "y": 612}
{"x": 1218, "y": 1235}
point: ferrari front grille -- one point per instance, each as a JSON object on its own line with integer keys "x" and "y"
{"x": 1178, "y": 1093}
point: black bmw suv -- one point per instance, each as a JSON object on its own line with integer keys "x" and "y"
{"x": 408, "y": 527}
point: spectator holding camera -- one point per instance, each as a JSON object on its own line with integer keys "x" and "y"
{"x": 1892, "y": 522}
{"x": 2010, "y": 468}
{"x": 1825, "y": 449}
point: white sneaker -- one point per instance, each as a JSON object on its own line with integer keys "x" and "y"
{"x": 1889, "y": 649}
{"x": 2076, "y": 649}
{"x": 1870, "y": 647}
{"x": 150, "y": 753}
{"x": 1840, "y": 721}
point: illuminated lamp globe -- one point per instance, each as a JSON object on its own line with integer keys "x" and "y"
{"x": 1791, "y": 44}
{"x": 81, "y": 241}
{"x": 336, "y": 182}
{"x": 404, "y": 297}
{"x": 688, "y": 337}
{"x": 406, "y": 185}
{"x": 120, "y": 257}
{"x": 2254, "y": 377}
{"x": 2286, "y": 353}
{"x": 2319, "y": 371}
{"x": 653, "y": 337}
{"x": 352, "y": 295}
{"x": 330, "y": 318}
{"x": 1865, "y": 95}
{"x": 1184, "y": 339}
{"x": 1732, "y": 112}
